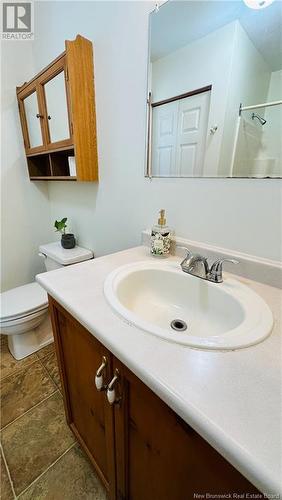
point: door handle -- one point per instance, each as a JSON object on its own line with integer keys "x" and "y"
{"x": 213, "y": 129}
{"x": 99, "y": 378}
{"x": 113, "y": 396}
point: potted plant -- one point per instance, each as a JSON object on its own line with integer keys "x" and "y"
{"x": 67, "y": 239}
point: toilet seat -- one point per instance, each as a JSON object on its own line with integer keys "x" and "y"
{"x": 21, "y": 302}
{"x": 19, "y": 320}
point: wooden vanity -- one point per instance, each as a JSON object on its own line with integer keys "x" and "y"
{"x": 139, "y": 447}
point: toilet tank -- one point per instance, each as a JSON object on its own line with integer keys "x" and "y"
{"x": 56, "y": 256}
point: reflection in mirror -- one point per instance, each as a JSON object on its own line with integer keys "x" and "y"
{"x": 33, "y": 120}
{"x": 57, "y": 109}
{"x": 215, "y": 90}
{"x": 178, "y": 134}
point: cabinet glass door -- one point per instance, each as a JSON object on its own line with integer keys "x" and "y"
{"x": 57, "y": 108}
{"x": 33, "y": 120}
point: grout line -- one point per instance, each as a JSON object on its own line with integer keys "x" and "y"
{"x": 41, "y": 361}
{"x": 51, "y": 343}
{"x": 19, "y": 370}
{"x": 27, "y": 411}
{"x": 8, "y": 472}
{"x": 45, "y": 355}
{"x": 48, "y": 468}
{"x": 49, "y": 375}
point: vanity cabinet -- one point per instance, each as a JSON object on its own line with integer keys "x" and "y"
{"x": 140, "y": 448}
{"x": 88, "y": 413}
{"x": 57, "y": 113}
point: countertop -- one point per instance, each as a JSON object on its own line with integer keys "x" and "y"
{"x": 231, "y": 398}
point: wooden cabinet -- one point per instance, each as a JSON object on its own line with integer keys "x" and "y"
{"x": 88, "y": 413}
{"x": 159, "y": 455}
{"x": 141, "y": 449}
{"x": 57, "y": 112}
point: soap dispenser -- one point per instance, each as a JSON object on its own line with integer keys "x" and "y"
{"x": 161, "y": 237}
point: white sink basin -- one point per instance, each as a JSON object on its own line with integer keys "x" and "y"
{"x": 150, "y": 295}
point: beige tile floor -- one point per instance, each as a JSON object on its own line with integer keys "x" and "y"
{"x": 40, "y": 459}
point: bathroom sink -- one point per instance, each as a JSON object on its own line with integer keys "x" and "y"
{"x": 160, "y": 298}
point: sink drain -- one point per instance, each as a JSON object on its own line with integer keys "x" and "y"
{"x": 178, "y": 325}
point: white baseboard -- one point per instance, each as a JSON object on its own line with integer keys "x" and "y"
{"x": 255, "y": 268}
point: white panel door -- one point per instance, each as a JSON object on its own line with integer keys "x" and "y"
{"x": 193, "y": 114}
{"x": 179, "y": 132}
{"x": 164, "y": 139}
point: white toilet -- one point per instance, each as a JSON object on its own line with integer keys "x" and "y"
{"x": 24, "y": 310}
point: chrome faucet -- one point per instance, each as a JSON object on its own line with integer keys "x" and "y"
{"x": 197, "y": 265}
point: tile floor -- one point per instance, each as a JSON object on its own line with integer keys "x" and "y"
{"x": 40, "y": 459}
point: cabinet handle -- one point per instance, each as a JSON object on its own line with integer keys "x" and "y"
{"x": 39, "y": 116}
{"x": 99, "y": 379}
{"x": 49, "y": 117}
{"x": 112, "y": 396}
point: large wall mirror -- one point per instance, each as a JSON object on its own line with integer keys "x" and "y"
{"x": 215, "y": 90}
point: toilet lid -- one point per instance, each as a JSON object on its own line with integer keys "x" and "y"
{"x": 22, "y": 300}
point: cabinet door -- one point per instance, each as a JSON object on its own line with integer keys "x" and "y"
{"x": 88, "y": 413}
{"x": 56, "y": 102}
{"x": 57, "y": 108}
{"x": 158, "y": 456}
{"x": 32, "y": 120}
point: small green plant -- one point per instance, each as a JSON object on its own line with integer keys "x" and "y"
{"x": 61, "y": 225}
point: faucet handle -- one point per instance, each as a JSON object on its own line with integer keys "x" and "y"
{"x": 187, "y": 256}
{"x": 184, "y": 248}
{"x": 216, "y": 269}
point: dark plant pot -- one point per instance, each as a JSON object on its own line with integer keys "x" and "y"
{"x": 68, "y": 240}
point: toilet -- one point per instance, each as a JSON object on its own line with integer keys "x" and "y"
{"x": 24, "y": 314}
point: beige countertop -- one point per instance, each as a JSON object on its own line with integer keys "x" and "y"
{"x": 232, "y": 399}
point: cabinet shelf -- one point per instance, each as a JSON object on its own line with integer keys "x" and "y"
{"x": 51, "y": 166}
{"x": 53, "y": 178}
{"x": 51, "y": 150}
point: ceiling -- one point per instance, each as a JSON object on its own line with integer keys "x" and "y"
{"x": 178, "y": 23}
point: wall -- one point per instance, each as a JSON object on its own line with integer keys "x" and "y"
{"x": 25, "y": 221}
{"x": 239, "y": 214}
{"x": 259, "y": 148}
{"x": 110, "y": 215}
{"x": 248, "y": 84}
{"x": 107, "y": 217}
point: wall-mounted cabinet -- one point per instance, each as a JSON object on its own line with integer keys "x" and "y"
{"x": 57, "y": 112}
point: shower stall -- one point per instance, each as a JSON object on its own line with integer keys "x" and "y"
{"x": 258, "y": 141}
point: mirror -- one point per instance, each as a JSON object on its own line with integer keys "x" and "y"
{"x": 215, "y": 90}
{"x": 33, "y": 120}
{"x": 57, "y": 108}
